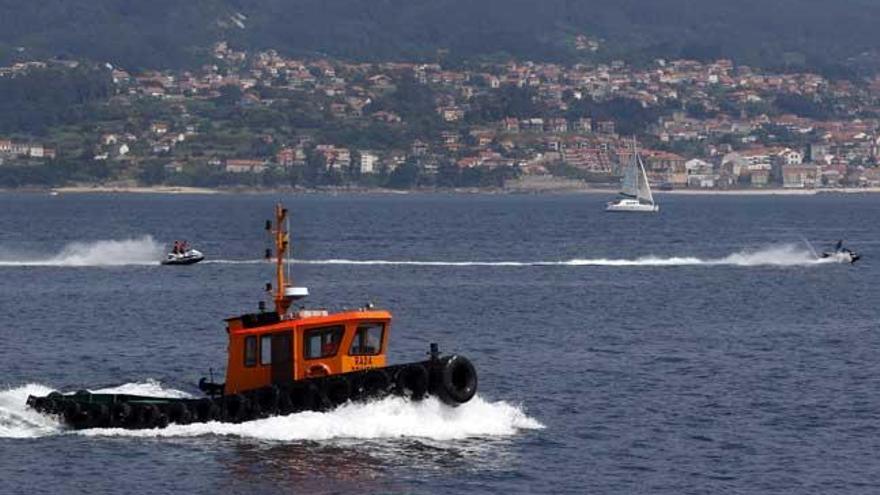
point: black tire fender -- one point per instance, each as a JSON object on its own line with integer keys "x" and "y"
{"x": 458, "y": 380}
{"x": 135, "y": 419}
{"x": 412, "y": 381}
{"x": 254, "y": 408}
{"x": 149, "y": 415}
{"x": 206, "y": 410}
{"x": 178, "y": 412}
{"x": 337, "y": 390}
{"x": 303, "y": 397}
{"x": 72, "y": 411}
{"x": 285, "y": 405}
{"x": 268, "y": 399}
{"x": 236, "y": 407}
{"x": 375, "y": 383}
{"x": 52, "y": 406}
{"x": 99, "y": 415}
{"x": 120, "y": 412}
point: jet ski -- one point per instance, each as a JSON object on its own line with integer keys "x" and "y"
{"x": 841, "y": 254}
{"x": 188, "y": 257}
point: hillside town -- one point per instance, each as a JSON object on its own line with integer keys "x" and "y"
{"x": 265, "y": 119}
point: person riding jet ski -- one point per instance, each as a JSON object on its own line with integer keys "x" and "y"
{"x": 182, "y": 254}
{"x": 842, "y": 254}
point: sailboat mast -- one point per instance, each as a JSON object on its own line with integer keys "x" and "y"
{"x": 636, "y": 162}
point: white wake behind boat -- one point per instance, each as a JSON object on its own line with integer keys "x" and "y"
{"x": 189, "y": 257}
{"x": 635, "y": 191}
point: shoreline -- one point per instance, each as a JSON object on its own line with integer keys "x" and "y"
{"x": 183, "y": 190}
{"x": 771, "y": 192}
{"x": 133, "y": 190}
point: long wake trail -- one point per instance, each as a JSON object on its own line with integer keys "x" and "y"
{"x": 784, "y": 255}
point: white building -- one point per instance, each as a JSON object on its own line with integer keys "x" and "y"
{"x": 368, "y": 163}
{"x": 789, "y": 156}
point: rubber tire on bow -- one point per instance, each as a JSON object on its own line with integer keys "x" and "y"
{"x": 458, "y": 380}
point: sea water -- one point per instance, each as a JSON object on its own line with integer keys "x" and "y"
{"x": 704, "y": 349}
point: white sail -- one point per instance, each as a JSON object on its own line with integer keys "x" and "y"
{"x": 634, "y": 188}
{"x": 644, "y": 189}
{"x": 629, "y": 186}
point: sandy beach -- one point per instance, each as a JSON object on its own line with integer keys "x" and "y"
{"x": 136, "y": 190}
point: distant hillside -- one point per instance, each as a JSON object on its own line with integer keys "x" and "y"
{"x": 151, "y": 33}
{"x": 775, "y": 33}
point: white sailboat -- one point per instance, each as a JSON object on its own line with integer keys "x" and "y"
{"x": 635, "y": 192}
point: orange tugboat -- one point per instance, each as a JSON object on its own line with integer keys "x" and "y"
{"x": 281, "y": 362}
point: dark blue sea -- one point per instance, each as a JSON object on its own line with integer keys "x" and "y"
{"x": 701, "y": 350}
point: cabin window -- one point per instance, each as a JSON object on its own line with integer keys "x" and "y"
{"x": 367, "y": 340}
{"x": 323, "y": 342}
{"x": 266, "y": 349}
{"x": 250, "y": 351}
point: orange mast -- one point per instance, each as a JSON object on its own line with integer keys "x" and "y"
{"x": 282, "y": 241}
{"x": 283, "y": 293}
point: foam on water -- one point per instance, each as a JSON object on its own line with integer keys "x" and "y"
{"x": 388, "y": 418}
{"x": 784, "y": 255}
{"x": 148, "y": 388}
{"x": 781, "y": 255}
{"x": 137, "y": 251}
{"x": 391, "y": 417}
{"x": 19, "y": 421}
{"x": 421, "y": 263}
{"x": 235, "y": 262}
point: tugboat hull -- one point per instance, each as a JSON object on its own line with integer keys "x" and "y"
{"x": 452, "y": 379}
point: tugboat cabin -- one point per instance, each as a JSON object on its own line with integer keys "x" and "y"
{"x": 267, "y": 350}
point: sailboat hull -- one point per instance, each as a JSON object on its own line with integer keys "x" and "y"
{"x": 631, "y": 205}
